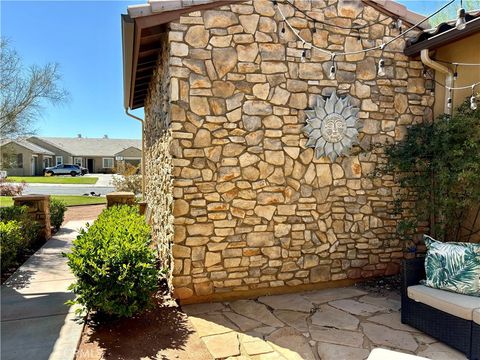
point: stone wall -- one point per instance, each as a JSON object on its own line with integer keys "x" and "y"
{"x": 39, "y": 210}
{"x": 158, "y": 160}
{"x": 255, "y": 211}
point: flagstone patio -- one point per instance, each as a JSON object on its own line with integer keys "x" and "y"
{"x": 345, "y": 323}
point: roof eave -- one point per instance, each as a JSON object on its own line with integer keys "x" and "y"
{"x": 444, "y": 38}
{"x": 128, "y": 30}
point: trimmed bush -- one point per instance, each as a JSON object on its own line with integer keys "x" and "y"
{"x": 29, "y": 227}
{"x": 11, "y": 243}
{"x": 57, "y": 213}
{"x": 115, "y": 264}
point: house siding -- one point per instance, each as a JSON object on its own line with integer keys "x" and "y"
{"x": 255, "y": 211}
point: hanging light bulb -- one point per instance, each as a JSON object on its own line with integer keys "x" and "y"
{"x": 333, "y": 69}
{"x": 461, "y": 22}
{"x": 473, "y": 102}
{"x": 473, "y": 99}
{"x": 399, "y": 25}
{"x": 455, "y": 74}
{"x": 381, "y": 68}
{"x": 282, "y": 30}
{"x": 314, "y": 30}
{"x": 304, "y": 55}
{"x": 449, "y": 100}
{"x": 424, "y": 72}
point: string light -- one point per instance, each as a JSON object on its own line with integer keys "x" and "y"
{"x": 449, "y": 100}
{"x": 304, "y": 55}
{"x": 455, "y": 74}
{"x": 381, "y": 68}
{"x": 333, "y": 69}
{"x": 331, "y": 24}
{"x": 461, "y": 22}
{"x": 381, "y": 46}
{"x": 399, "y": 25}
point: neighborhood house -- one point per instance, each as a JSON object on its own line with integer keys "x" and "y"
{"x": 28, "y": 157}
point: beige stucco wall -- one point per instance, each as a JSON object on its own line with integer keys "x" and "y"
{"x": 467, "y": 51}
{"x": 13, "y": 149}
{"x": 255, "y": 211}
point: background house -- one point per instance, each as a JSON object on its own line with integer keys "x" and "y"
{"x": 97, "y": 155}
{"x": 22, "y": 158}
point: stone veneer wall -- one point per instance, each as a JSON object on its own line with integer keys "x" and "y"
{"x": 158, "y": 160}
{"x": 254, "y": 210}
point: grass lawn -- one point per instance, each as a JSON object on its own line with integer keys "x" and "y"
{"x": 68, "y": 199}
{"x": 53, "y": 179}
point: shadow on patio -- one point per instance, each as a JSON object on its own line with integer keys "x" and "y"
{"x": 162, "y": 333}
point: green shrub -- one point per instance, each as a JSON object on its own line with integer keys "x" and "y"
{"x": 437, "y": 166}
{"x": 11, "y": 242}
{"x": 9, "y": 213}
{"x": 29, "y": 227}
{"x": 57, "y": 213}
{"x": 114, "y": 263}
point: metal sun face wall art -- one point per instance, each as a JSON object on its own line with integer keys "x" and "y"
{"x": 332, "y": 126}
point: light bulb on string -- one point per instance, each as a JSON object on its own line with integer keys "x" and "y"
{"x": 455, "y": 74}
{"x": 304, "y": 55}
{"x": 449, "y": 100}
{"x": 473, "y": 99}
{"x": 381, "y": 68}
{"x": 314, "y": 30}
{"x": 461, "y": 22}
{"x": 399, "y": 25}
{"x": 333, "y": 69}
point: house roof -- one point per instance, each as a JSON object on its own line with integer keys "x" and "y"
{"x": 28, "y": 145}
{"x": 91, "y": 146}
{"x": 443, "y": 34}
{"x": 144, "y": 27}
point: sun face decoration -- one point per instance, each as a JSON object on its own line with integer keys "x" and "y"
{"x": 332, "y": 126}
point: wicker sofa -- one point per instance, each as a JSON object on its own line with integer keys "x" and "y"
{"x": 451, "y": 318}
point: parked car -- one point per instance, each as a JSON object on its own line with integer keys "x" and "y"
{"x": 63, "y": 169}
{"x": 82, "y": 169}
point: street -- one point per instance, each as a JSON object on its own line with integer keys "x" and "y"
{"x": 57, "y": 189}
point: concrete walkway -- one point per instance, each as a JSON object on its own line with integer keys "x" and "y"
{"x": 35, "y": 322}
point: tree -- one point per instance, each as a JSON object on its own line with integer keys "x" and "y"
{"x": 24, "y": 92}
{"x": 450, "y": 13}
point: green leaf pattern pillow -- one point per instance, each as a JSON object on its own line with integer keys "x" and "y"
{"x": 453, "y": 266}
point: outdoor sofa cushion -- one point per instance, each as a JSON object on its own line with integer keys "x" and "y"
{"x": 453, "y": 266}
{"x": 476, "y": 316}
{"x": 383, "y": 354}
{"x": 458, "y": 305}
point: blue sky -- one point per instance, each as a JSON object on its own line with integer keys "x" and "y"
{"x": 84, "y": 37}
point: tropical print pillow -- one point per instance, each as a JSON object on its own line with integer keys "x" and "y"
{"x": 453, "y": 266}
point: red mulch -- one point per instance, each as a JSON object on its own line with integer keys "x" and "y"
{"x": 162, "y": 333}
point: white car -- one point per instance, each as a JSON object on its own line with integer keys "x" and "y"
{"x": 63, "y": 169}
